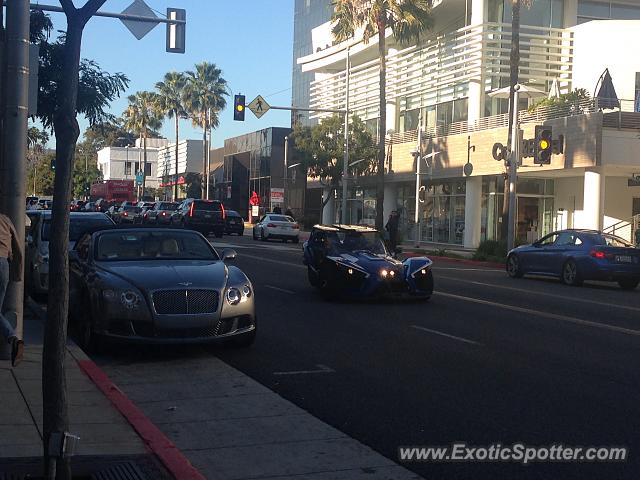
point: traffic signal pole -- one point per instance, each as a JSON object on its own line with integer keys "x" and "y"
{"x": 13, "y": 174}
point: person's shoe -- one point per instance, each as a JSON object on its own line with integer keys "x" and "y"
{"x": 17, "y": 351}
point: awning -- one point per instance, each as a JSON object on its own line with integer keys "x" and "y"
{"x": 606, "y": 96}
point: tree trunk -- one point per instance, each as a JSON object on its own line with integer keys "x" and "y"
{"x": 204, "y": 158}
{"x": 175, "y": 187}
{"x": 54, "y": 395}
{"x": 382, "y": 126}
{"x": 144, "y": 163}
{"x": 514, "y": 66}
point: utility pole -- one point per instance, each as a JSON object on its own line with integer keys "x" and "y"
{"x": 345, "y": 170}
{"x": 418, "y": 181}
{"x": 513, "y": 168}
{"x": 12, "y": 172}
{"x": 286, "y": 170}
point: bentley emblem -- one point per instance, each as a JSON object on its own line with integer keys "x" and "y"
{"x": 185, "y": 284}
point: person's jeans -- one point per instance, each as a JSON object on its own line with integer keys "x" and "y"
{"x": 6, "y": 330}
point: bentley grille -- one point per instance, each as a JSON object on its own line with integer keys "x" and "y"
{"x": 185, "y": 302}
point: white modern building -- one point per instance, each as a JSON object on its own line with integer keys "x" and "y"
{"x": 189, "y": 161}
{"x": 444, "y": 84}
{"x": 123, "y": 163}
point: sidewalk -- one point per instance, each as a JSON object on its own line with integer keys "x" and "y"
{"x": 107, "y": 440}
{"x": 209, "y": 421}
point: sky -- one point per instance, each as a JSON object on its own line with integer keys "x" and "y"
{"x": 250, "y": 40}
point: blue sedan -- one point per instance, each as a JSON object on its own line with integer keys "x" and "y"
{"x": 578, "y": 255}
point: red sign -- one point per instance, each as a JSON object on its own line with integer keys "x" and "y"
{"x": 180, "y": 181}
{"x": 255, "y": 199}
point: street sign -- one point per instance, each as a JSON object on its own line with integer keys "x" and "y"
{"x": 139, "y": 178}
{"x": 141, "y": 9}
{"x": 259, "y": 106}
{"x": 277, "y": 195}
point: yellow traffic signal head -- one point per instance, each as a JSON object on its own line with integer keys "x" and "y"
{"x": 543, "y": 144}
{"x": 240, "y": 107}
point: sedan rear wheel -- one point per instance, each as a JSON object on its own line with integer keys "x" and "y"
{"x": 513, "y": 267}
{"x": 570, "y": 274}
{"x": 629, "y": 283}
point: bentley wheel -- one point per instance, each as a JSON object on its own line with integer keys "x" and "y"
{"x": 570, "y": 274}
{"x": 87, "y": 339}
{"x": 513, "y": 267}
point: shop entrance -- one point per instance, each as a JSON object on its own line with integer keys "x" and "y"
{"x": 534, "y": 218}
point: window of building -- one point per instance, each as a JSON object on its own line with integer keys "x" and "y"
{"x": 591, "y": 10}
{"x": 127, "y": 168}
{"x": 147, "y": 169}
{"x": 542, "y": 13}
{"x": 434, "y": 116}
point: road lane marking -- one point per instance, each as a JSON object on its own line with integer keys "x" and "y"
{"x": 321, "y": 369}
{"x": 553, "y": 316}
{"x": 453, "y": 337}
{"x": 552, "y": 295}
{"x": 273, "y": 287}
{"x": 279, "y": 262}
{"x": 436, "y": 267}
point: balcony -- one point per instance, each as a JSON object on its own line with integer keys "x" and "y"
{"x": 442, "y": 68}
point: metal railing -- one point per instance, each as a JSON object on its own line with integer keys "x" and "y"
{"x": 443, "y": 67}
{"x": 628, "y": 229}
{"x": 624, "y": 116}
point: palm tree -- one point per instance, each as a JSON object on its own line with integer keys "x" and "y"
{"x": 407, "y": 19}
{"x": 171, "y": 94}
{"x": 204, "y": 99}
{"x": 141, "y": 115}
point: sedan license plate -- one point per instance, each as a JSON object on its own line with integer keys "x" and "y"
{"x": 624, "y": 259}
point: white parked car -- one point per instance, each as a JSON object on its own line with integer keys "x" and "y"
{"x": 277, "y": 226}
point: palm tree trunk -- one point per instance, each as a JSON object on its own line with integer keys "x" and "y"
{"x": 175, "y": 186}
{"x": 514, "y": 67}
{"x": 204, "y": 157}
{"x": 144, "y": 163}
{"x": 382, "y": 126}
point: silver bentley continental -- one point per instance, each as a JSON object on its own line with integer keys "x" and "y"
{"x": 156, "y": 285}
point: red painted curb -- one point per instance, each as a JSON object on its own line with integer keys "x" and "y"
{"x": 156, "y": 441}
{"x": 463, "y": 261}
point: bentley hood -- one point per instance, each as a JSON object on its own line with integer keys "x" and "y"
{"x": 147, "y": 275}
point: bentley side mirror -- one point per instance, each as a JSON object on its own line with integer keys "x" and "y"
{"x": 229, "y": 255}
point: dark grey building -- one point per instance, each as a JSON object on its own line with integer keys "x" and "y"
{"x": 255, "y": 162}
{"x": 308, "y": 14}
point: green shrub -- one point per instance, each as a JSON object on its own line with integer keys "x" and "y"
{"x": 491, "y": 250}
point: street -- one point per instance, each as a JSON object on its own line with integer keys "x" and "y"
{"x": 487, "y": 360}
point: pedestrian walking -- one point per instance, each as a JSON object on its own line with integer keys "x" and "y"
{"x": 289, "y": 213}
{"x": 392, "y": 229}
{"x": 10, "y": 270}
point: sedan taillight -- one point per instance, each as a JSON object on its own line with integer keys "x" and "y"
{"x": 295, "y": 226}
{"x": 600, "y": 255}
{"x": 272, "y": 225}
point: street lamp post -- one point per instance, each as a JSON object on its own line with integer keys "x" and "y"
{"x": 514, "y": 159}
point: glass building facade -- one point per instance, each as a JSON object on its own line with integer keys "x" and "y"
{"x": 308, "y": 14}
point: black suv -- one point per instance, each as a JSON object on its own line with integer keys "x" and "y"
{"x": 206, "y": 216}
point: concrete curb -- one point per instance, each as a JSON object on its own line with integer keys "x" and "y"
{"x": 154, "y": 439}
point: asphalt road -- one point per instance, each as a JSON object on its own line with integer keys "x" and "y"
{"x": 487, "y": 360}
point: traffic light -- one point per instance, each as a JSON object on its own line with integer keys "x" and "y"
{"x": 543, "y": 147}
{"x": 238, "y": 108}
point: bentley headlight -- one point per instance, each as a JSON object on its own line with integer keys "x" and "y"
{"x": 234, "y": 296}
{"x": 129, "y": 299}
{"x": 246, "y": 291}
